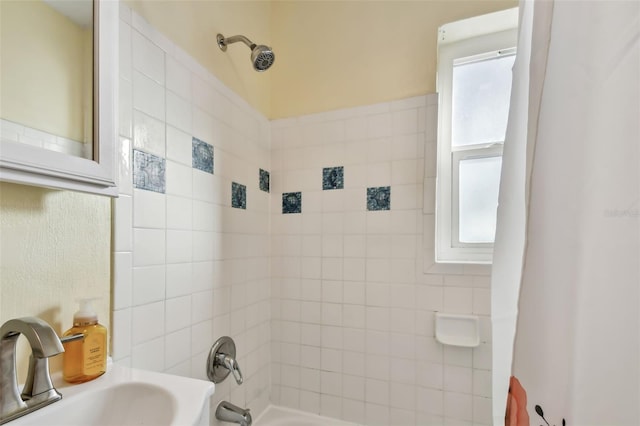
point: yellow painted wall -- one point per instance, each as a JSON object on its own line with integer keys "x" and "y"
{"x": 338, "y": 54}
{"x": 43, "y": 64}
{"x": 194, "y": 24}
{"x": 54, "y": 248}
{"x": 329, "y": 54}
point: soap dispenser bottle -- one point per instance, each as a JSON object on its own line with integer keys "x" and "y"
{"x": 86, "y": 358}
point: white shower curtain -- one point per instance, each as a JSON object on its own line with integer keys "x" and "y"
{"x": 568, "y": 235}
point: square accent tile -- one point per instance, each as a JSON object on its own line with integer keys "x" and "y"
{"x": 149, "y": 172}
{"x": 201, "y": 155}
{"x": 264, "y": 180}
{"x": 292, "y": 202}
{"x": 333, "y": 178}
{"x": 379, "y": 198}
{"x": 238, "y": 196}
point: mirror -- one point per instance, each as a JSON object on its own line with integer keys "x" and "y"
{"x": 58, "y": 58}
{"x": 46, "y": 87}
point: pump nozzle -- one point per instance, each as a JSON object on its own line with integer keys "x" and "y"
{"x": 86, "y": 314}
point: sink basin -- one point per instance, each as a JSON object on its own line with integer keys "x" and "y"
{"x": 125, "y": 404}
{"x": 125, "y": 396}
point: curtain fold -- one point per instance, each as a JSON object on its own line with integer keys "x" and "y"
{"x": 569, "y": 222}
{"x": 510, "y": 241}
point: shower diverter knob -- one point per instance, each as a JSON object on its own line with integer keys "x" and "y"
{"x": 222, "y": 361}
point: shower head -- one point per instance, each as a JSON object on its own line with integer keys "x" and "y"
{"x": 262, "y": 56}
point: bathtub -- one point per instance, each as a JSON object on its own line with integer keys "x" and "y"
{"x": 279, "y": 416}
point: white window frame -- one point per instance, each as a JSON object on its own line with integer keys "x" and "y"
{"x": 469, "y": 40}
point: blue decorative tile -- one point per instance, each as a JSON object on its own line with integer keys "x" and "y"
{"x": 238, "y": 196}
{"x": 264, "y": 181}
{"x": 201, "y": 155}
{"x": 148, "y": 171}
{"x": 333, "y": 178}
{"x": 379, "y": 198}
{"x": 292, "y": 202}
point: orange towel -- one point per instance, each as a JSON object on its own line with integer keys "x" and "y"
{"x": 516, "y": 414}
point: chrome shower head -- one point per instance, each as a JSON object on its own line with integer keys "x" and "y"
{"x": 262, "y": 56}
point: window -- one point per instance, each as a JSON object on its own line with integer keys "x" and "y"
{"x": 475, "y": 57}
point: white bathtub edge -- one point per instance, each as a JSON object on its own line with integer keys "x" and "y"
{"x": 322, "y": 420}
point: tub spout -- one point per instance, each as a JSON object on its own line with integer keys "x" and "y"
{"x": 227, "y": 412}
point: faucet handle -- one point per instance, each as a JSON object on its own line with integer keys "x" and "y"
{"x": 222, "y": 361}
{"x": 232, "y": 365}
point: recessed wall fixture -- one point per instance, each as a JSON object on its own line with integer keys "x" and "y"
{"x": 262, "y": 56}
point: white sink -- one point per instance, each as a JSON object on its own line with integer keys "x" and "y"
{"x": 125, "y": 396}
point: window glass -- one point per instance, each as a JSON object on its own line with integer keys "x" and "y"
{"x": 475, "y": 61}
{"x": 480, "y": 102}
{"x": 478, "y": 197}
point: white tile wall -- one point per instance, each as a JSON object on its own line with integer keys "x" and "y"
{"x": 187, "y": 267}
{"x": 332, "y": 309}
{"x": 354, "y": 292}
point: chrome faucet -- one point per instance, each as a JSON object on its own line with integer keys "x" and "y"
{"x": 230, "y": 364}
{"x": 222, "y": 361}
{"x": 227, "y": 412}
{"x": 38, "y": 390}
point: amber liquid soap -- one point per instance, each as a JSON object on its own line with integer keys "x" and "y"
{"x": 85, "y": 359}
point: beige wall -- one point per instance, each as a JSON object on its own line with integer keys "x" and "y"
{"x": 337, "y": 54}
{"x": 329, "y": 54}
{"x": 55, "y": 248}
{"x": 45, "y": 70}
